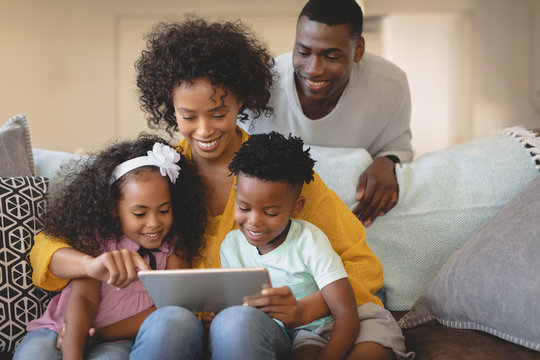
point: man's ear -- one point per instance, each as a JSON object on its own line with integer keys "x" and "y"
{"x": 360, "y": 48}
{"x": 298, "y": 206}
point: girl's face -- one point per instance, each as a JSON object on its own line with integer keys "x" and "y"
{"x": 207, "y": 119}
{"x": 145, "y": 209}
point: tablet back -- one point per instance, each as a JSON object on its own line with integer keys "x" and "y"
{"x": 203, "y": 290}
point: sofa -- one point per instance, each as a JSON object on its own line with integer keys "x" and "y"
{"x": 460, "y": 250}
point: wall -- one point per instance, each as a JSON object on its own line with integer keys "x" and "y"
{"x": 68, "y": 64}
{"x": 480, "y": 73}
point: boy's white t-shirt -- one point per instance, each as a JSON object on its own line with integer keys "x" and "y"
{"x": 305, "y": 261}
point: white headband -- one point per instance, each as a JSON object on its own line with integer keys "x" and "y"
{"x": 162, "y": 156}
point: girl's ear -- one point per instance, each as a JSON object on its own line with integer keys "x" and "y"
{"x": 298, "y": 206}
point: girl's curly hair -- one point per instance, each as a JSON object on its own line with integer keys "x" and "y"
{"x": 225, "y": 53}
{"x": 273, "y": 157}
{"x": 84, "y": 208}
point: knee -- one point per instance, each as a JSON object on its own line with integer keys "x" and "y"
{"x": 242, "y": 315}
{"x": 169, "y": 318}
{"x": 244, "y": 321}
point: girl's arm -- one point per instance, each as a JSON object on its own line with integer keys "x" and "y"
{"x": 128, "y": 328}
{"x": 340, "y": 299}
{"x": 81, "y": 309}
{"x": 121, "y": 330}
{"x": 117, "y": 268}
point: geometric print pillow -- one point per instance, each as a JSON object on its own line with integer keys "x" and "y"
{"x": 22, "y": 202}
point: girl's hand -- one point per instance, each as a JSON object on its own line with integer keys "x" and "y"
{"x": 280, "y": 304}
{"x": 118, "y": 268}
{"x": 93, "y": 337}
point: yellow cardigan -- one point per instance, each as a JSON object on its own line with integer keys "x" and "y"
{"x": 323, "y": 208}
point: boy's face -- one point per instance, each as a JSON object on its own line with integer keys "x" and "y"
{"x": 262, "y": 210}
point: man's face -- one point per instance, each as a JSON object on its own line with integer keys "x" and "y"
{"x": 323, "y": 57}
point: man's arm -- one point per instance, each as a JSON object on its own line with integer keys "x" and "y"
{"x": 377, "y": 191}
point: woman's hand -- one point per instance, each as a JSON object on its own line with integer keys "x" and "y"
{"x": 118, "y": 268}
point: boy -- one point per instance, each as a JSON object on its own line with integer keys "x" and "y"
{"x": 271, "y": 171}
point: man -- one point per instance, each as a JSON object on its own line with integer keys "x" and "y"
{"x": 330, "y": 93}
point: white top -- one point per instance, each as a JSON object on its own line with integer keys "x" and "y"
{"x": 305, "y": 261}
{"x": 373, "y": 112}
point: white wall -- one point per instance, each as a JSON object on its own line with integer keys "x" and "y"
{"x": 475, "y": 57}
{"x": 68, "y": 64}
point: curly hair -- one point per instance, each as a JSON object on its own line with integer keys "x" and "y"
{"x": 336, "y": 12}
{"x": 272, "y": 157}
{"x": 226, "y": 53}
{"x": 84, "y": 208}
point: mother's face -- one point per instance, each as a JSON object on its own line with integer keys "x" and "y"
{"x": 207, "y": 118}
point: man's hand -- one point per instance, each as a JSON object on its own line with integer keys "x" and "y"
{"x": 377, "y": 191}
{"x": 118, "y": 268}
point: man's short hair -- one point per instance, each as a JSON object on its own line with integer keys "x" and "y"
{"x": 336, "y": 12}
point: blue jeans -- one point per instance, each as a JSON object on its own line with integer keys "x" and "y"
{"x": 41, "y": 344}
{"x": 238, "y": 332}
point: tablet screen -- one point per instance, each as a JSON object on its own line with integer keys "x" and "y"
{"x": 203, "y": 290}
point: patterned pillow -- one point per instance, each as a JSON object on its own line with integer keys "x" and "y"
{"x": 22, "y": 201}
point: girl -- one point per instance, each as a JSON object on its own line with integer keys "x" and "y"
{"x": 200, "y": 78}
{"x": 136, "y": 196}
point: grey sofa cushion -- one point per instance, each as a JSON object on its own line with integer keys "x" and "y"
{"x": 491, "y": 284}
{"x": 15, "y": 148}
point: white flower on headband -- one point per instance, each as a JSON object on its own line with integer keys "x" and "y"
{"x": 162, "y": 156}
{"x": 165, "y": 157}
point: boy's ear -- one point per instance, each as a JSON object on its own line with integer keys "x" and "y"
{"x": 298, "y": 206}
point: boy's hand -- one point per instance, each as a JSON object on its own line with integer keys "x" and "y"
{"x": 280, "y": 304}
{"x": 118, "y": 268}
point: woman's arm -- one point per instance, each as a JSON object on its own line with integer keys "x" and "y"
{"x": 340, "y": 299}
{"x": 81, "y": 309}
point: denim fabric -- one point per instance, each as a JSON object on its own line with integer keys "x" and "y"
{"x": 43, "y": 342}
{"x": 170, "y": 332}
{"x": 243, "y": 332}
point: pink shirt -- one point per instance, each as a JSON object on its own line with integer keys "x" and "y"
{"x": 115, "y": 305}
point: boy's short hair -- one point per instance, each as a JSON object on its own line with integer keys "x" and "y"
{"x": 273, "y": 157}
{"x": 336, "y": 12}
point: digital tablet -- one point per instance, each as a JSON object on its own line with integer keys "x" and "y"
{"x": 203, "y": 290}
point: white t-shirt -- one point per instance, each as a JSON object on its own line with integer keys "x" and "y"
{"x": 373, "y": 112}
{"x": 305, "y": 261}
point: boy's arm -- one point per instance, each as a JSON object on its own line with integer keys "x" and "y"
{"x": 340, "y": 299}
{"x": 81, "y": 308}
